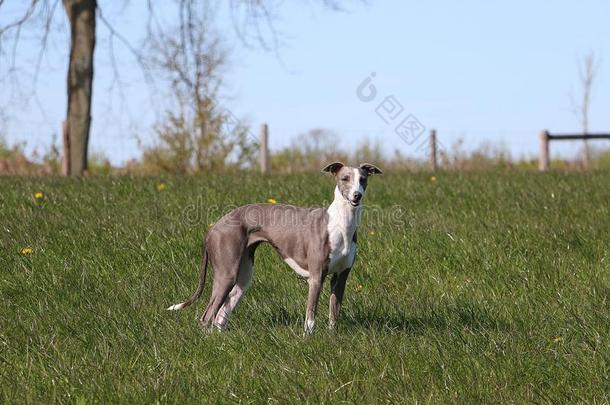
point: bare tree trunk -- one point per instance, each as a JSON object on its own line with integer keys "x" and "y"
{"x": 585, "y": 154}
{"x": 587, "y": 83}
{"x": 588, "y": 73}
{"x": 81, "y": 14}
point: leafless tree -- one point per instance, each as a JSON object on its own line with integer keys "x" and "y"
{"x": 198, "y": 133}
{"x": 253, "y": 20}
{"x": 587, "y": 73}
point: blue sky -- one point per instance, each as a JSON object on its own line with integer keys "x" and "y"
{"x": 484, "y": 72}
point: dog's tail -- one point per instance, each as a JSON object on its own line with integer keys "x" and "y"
{"x": 199, "y": 290}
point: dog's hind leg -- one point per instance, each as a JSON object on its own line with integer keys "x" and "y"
{"x": 226, "y": 269}
{"x": 244, "y": 280}
{"x": 220, "y": 291}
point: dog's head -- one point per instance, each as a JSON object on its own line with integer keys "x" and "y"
{"x": 352, "y": 181}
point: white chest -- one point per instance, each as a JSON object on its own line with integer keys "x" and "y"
{"x": 342, "y": 224}
{"x": 342, "y": 258}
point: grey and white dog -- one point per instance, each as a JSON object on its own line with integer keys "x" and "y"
{"x": 314, "y": 242}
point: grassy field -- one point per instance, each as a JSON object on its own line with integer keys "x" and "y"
{"x": 481, "y": 287}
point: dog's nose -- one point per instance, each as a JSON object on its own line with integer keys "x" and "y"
{"x": 357, "y": 196}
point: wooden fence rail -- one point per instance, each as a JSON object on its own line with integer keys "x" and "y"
{"x": 546, "y": 138}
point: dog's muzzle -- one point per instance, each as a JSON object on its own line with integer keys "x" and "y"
{"x": 355, "y": 201}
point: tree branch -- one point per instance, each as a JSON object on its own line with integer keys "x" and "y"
{"x": 20, "y": 21}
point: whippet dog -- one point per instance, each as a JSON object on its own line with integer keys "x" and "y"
{"x": 314, "y": 242}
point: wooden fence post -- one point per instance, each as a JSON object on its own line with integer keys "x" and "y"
{"x": 433, "y": 153}
{"x": 65, "y": 164}
{"x": 543, "y": 160}
{"x": 264, "y": 151}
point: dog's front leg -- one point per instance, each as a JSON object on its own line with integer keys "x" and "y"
{"x": 337, "y": 289}
{"x": 315, "y": 286}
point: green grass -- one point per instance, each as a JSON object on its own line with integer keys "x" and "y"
{"x": 481, "y": 287}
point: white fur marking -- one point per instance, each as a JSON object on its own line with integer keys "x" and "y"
{"x": 309, "y": 324}
{"x": 298, "y": 269}
{"x": 343, "y": 219}
{"x": 176, "y": 307}
{"x": 357, "y": 186}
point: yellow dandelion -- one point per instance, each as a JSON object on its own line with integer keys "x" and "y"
{"x": 372, "y": 233}
{"x": 359, "y": 288}
{"x": 39, "y": 195}
{"x": 161, "y": 186}
{"x": 272, "y": 201}
{"x": 558, "y": 339}
{"x": 27, "y": 251}
{"x": 433, "y": 179}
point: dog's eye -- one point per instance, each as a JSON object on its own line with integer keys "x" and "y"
{"x": 345, "y": 178}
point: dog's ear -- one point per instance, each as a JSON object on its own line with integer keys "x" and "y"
{"x": 370, "y": 169}
{"x": 333, "y": 167}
